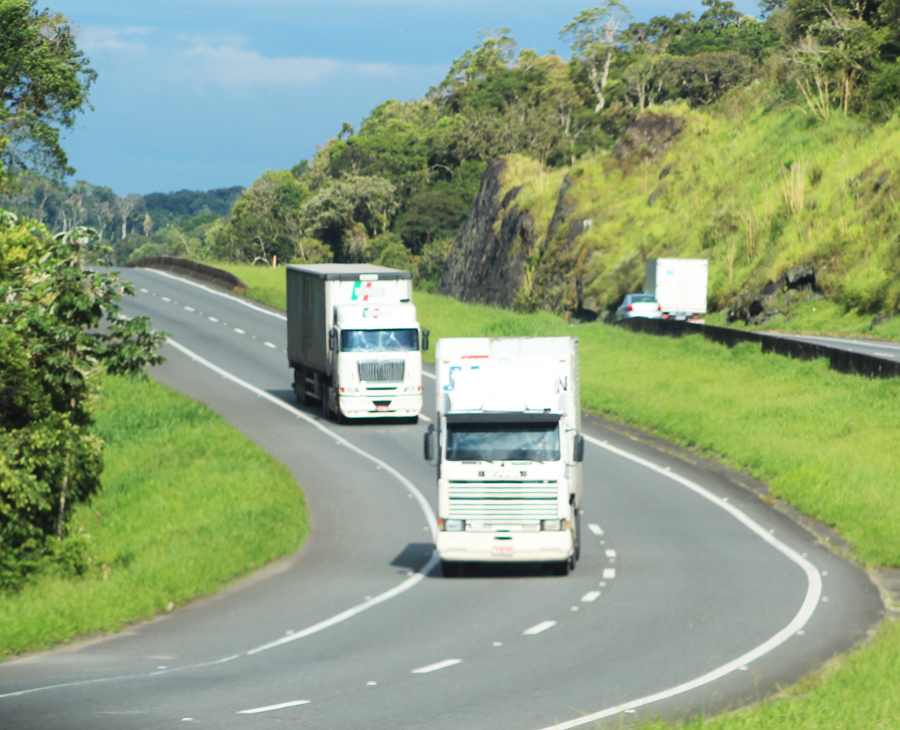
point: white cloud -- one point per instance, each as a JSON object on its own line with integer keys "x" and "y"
{"x": 100, "y": 38}
{"x": 228, "y": 63}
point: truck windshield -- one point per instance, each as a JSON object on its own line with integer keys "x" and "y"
{"x": 379, "y": 340}
{"x": 503, "y": 442}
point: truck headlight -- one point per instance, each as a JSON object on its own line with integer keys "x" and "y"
{"x": 552, "y": 525}
{"x": 452, "y": 525}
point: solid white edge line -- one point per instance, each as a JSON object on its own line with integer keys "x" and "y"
{"x": 233, "y": 298}
{"x": 423, "y": 503}
{"x": 295, "y": 703}
{"x": 120, "y": 677}
{"x": 435, "y": 667}
{"x": 807, "y": 608}
{"x": 539, "y": 628}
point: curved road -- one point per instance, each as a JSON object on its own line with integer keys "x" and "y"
{"x": 691, "y": 594}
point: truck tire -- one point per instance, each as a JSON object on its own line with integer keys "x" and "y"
{"x": 326, "y": 406}
{"x": 300, "y": 385}
{"x": 450, "y": 569}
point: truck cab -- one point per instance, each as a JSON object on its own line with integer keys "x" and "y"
{"x": 508, "y": 448}
{"x": 378, "y": 363}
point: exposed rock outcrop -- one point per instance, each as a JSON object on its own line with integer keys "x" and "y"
{"x": 776, "y": 297}
{"x": 486, "y": 262}
{"x": 647, "y": 138}
{"x": 497, "y": 257}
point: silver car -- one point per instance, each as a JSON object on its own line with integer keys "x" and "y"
{"x": 639, "y": 305}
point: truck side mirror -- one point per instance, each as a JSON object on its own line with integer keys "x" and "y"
{"x": 425, "y": 334}
{"x": 332, "y": 339}
{"x": 578, "y": 450}
{"x": 429, "y": 444}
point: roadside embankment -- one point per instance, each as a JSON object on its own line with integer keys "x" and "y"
{"x": 188, "y": 505}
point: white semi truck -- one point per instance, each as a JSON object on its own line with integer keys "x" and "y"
{"x": 354, "y": 342}
{"x": 680, "y": 287}
{"x": 508, "y": 447}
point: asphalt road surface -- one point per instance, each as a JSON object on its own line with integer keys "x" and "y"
{"x": 876, "y": 348}
{"x": 691, "y": 593}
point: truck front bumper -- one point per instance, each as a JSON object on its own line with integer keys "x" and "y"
{"x": 498, "y": 547}
{"x": 386, "y": 406}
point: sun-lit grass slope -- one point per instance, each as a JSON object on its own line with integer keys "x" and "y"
{"x": 187, "y": 506}
{"x": 754, "y": 186}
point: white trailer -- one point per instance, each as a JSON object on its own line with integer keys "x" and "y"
{"x": 353, "y": 340}
{"x": 679, "y": 285}
{"x": 508, "y": 446}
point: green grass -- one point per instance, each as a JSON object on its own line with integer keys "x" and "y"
{"x": 187, "y": 506}
{"x": 754, "y": 187}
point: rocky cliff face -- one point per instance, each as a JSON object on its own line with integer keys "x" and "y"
{"x": 497, "y": 258}
{"x": 486, "y": 262}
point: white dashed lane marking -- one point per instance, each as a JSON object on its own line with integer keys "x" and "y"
{"x": 212, "y": 319}
{"x": 145, "y": 291}
{"x": 269, "y": 708}
{"x": 590, "y": 597}
{"x": 166, "y": 299}
{"x": 610, "y": 553}
{"x": 435, "y": 667}
{"x": 539, "y": 628}
{"x": 269, "y": 344}
{"x": 609, "y": 573}
{"x": 189, "y": 309}
{"x": 595, "y": 529}
{"x": 239, "y": 331}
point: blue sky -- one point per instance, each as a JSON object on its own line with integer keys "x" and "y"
{"x": 203, "y": 94}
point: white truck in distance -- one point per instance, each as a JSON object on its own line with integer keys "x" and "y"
{"x": 354, "y": 341}
{"x": 508, "y": 447}
{"x": 679, "y": 286}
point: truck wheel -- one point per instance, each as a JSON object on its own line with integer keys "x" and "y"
{"x": 326, "y": 406}
{"x": 450, "y": 569}
{"x": 300, "y": 385}
{"x": 577, "y": 554}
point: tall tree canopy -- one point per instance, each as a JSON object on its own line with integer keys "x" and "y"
{"x": 44, "y": 83}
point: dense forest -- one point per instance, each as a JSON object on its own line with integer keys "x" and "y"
{"x": 135, "y": 225}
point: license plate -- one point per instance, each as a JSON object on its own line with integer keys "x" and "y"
{"x": 382, "y": 408}
{"x": 502, "y": 550}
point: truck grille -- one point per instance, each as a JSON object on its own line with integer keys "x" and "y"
{"x": 381, "y": 371}
{"x": 509, "y": 503}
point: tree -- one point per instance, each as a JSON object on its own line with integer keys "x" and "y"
{"x": 44, "y": 83}
{"x": 594, "y": 35}
{"x": 265, "y": 221}
{"x": 60, "y": 327}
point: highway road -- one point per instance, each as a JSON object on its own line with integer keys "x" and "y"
{"x": 691, "y": 595}
{"x": 876, "y": 348}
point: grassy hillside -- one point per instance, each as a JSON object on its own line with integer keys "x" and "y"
{"x": 753, "y": 185}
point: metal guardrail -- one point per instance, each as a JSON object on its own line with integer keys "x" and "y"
{"x": 192, "y": 269}
{"x": 840, "y": 360}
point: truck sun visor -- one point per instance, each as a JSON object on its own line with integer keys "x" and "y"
{"x": 504, "y": 417}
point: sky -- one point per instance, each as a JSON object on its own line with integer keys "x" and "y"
{"x": 205, "y": 94}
